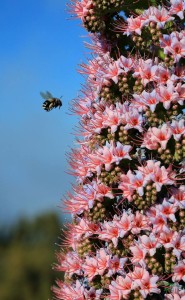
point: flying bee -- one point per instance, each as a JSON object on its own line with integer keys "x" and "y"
{"x": 50, "y": 101}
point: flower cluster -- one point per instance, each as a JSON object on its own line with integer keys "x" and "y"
{"x": 127, "y": 239}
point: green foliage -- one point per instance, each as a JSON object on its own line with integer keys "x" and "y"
{"x": 26, "y": 258}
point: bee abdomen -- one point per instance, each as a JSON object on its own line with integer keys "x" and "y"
{"x": 51, "y": 103}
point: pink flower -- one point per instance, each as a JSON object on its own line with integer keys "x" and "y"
{"x": 164, "y": 76}
{"x": 139, "y": 274}
{"x": 139, "y": 254}
{"x": 162, "y": 135}
{"x": 148, "y": 285}
{"x": 93, "y": 294}
{"x": 134, "y": 25}
{"x": 146, "y": 70}
{"x": 179, "y": 271}
{"x": 126, "y": 63}
{"x": 125, "y": 185}
{"x": 149, "y": 99}
{"x": 167, "y": 209}
{"x": 167, "y": 95}
{"x": 103, "y": 261}
{"x": 166, "y": 238}
{"x": 90, "y": 267}
{"x": 102, "y": 190}
{"x": 149, "y": 140}
{"x": 94, "y": 162}
{"x": 115, "y": 294}
{"x": 138, "y": 182}
{"x": 97, "y": 122}
{"x": 121, "y": 151}
{"x": 177, "y": 49}
{"x": 150, "y": 243}
{"x": 81, "y": 8}
{"x": 83, "y": 199}
{"x": 177, "y": 294}
{"x": 177, "y": 8}
{"x": 86, "y": 228}
{"x": 116, "y": 265}
{"x": 160, "y": 178}
{"x": 109, "y": 232}
{"x": 180, "y": 88}
{"x": 159, "y": 223}
{"x": 124, "y": 285}
{"x": 165, "y": 43}
{"x": 106, "y": 156}
{"x": 150, "y": 168}
{"x": 178, "y": 129}
{"x": 179, "y": 245}
{"x": 125, "y": 223}
{"x": 140, "y": 222}
{"x": 134, "y": 120}
{"x": 113, "y": 71}
{"x": 112, "y": 119}
{"x": 69, "y": 263}
{"x": 179, "y": 196}
{"x": 161, "y": 16}
{"x": 69, "y": 292}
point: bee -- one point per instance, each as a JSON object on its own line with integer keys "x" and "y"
{"x": 50, "y": 101}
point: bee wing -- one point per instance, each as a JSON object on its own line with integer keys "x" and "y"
{"x": 49, "y": 95}
{"x": 44, "y": 95}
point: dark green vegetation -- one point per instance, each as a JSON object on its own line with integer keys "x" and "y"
{"x": 26, "y": 258}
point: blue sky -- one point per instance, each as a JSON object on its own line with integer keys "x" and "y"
{"x": 40, "y": 50}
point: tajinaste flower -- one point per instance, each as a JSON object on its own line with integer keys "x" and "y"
{"x": 127, "y": 238}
